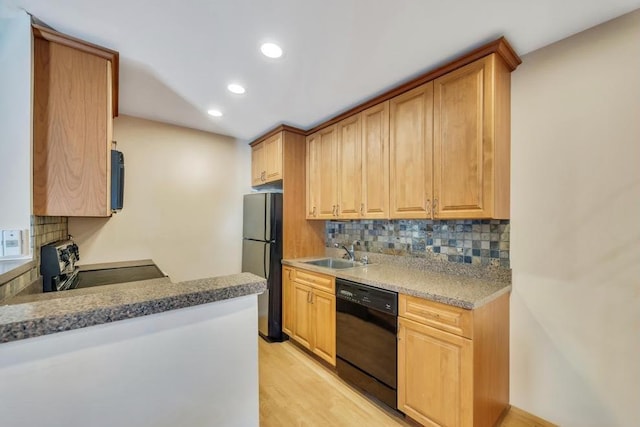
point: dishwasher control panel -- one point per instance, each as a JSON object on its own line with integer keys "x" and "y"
{"x": 368, "y": 296}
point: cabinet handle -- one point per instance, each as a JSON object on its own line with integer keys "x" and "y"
{"x": 333, "y": 211}
{"x": 262, "y": 176}
{"x": 289, "y": 273}
{"x": 314, "y": 211}
{"x": 435, "y": 208}
{"x": 337, "y": 210}
{"x": 311, "y": 297}
{"x": 361, "y": 209}
{"x": 428, "y": 207}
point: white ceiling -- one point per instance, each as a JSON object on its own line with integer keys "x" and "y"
{"x": 177, "y": 56}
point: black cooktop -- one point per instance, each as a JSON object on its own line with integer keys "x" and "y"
{"x": 109, "y": 276}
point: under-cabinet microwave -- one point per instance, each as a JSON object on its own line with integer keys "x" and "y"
{"x": 117, "y": 180}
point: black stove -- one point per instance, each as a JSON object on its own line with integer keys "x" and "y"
{"x": 60, "y": 272}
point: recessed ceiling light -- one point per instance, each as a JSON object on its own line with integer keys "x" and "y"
{"x": 236, "y": 88}
{"x": 271, "y": 50}
{"x": 215, "y": 113}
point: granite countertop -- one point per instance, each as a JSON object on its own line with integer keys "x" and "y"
{"x": 11, "y": 268}
{"x": 457, "y": 289}
{"x": 42, "y": 314}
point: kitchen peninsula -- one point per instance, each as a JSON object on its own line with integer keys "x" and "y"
{"x": 144, "y": 353}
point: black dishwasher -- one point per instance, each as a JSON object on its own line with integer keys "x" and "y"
{"x": 366, "y": 344}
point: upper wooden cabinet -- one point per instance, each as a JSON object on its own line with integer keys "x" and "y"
{"x": 471, "y": 147}
{"x": 266, "y": 160}
{"x": 281, "y": 154}
{"x": 349, "y": 157}
{"x": 411, "y": 158}
{"x": 74, "y": 101}
{"x": 450, "y": 145}
{"x": 322, "y": 174}
{"x": 375, "y": 162}
{"x": 348, "y": 175}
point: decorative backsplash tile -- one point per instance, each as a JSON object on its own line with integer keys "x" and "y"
{"x": 44, "y": 229}
{"x": 483, "y": 242}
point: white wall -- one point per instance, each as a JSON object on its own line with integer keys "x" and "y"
{"x": 15, "y": 119}
{"x": 182, "y": 202}
{"x": 195, "y": 367}
{"x": 575, "y": 228}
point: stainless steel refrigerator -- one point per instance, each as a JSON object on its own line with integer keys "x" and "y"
{"x": 261, "y": 255}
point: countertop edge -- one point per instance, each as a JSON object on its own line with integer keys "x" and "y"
{"x": 196, "y": 292}
{"x": 9, "y": 275}
{"x": 347, "y": 274}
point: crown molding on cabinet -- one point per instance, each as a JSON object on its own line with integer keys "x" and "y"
{"x": 276, "y": 130}
{"x": 81, "y": 45}
{"x": 500, "y": 46}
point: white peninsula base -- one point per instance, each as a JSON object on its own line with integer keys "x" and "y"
{"x": 195, "y": 366}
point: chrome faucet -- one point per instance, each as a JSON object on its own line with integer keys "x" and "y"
{"x": 351, "y": 252}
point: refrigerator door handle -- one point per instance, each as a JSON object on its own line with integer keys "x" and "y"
{"x": 266, "y": 259}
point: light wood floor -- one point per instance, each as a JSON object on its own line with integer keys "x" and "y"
{"x": 296, "y": 391}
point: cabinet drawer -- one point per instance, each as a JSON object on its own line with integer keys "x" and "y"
{"x": 316, "y": 280}
{"x": 441, "y": 316}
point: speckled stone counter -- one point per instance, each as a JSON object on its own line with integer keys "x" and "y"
{"x": 461, "y": 289}
{"x": 12, "y": 268}
{"x": 36, "y": 315}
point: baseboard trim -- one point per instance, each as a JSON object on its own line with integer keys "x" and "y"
{"x": 527, "y": 418}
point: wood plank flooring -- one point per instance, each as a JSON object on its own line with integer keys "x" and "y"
{"x": 298, "y": 391}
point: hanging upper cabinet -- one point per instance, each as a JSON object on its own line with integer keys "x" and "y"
{"x": 322, "y": 173}
{"x": 411, "y": 157}
{"x": 349, "y": 168}
{"x": 375, "y": 162}
{"x": 471, "y": 148}
{"x": 450, "y": 145}
{"x": 74, "y": 101}
{"x": 266, "y": 160}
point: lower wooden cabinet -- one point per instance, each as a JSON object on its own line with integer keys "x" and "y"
{"x": 287, "y": 297}
{"x": 302, "y": 315}
{"x": 453, "y": 364}
{"x": 323, "y": 315}
{"x": 309, "y": 311}
{"x": 436, "y": 370}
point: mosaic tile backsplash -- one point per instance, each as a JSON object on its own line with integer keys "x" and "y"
{"x": 482, "y": 242}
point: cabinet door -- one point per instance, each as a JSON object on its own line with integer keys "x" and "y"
{"x": 411, "y": 135}
{"x": 287, "y": 301}
{"x": 273, "y": 158}
{"x": 257, "y": 164}
{"x": 375, "y": 162}
{"x": 349, "y": 168}
{"x": 312, "y": 176}
{"x": 463, "y": 142}
{"x": 435, "y": 368}
{"x": 326, "y": 185}
{"x": 72, "y": 121}
{"x": 324, "y": 310}
{"x": 302, "y": 324}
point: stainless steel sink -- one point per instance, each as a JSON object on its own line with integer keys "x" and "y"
{"x": 334, "y": 263}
